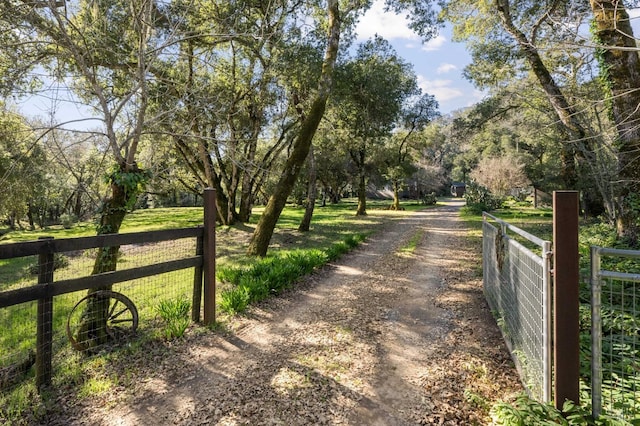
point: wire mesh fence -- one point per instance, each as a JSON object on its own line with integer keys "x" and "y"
{"x": 89, "y": 321}
{"x": 615, "y": 301}
{"x": 516, "y": 286}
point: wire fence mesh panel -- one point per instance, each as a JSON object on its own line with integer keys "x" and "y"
{"x": 616, "y": 332}
{"x": 150, "y": 299}
{"x": 17, "y": 344}
{"x": 115, "y": 314}
{"x": 517, "y": 290}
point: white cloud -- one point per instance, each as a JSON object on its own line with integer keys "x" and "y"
{"x": 441, "y": 89}
{"x": 446, "y": 68}
{"x": 386, "y": 24}
{"x": 434, "y": 43}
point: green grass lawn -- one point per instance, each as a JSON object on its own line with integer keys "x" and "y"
{"x": 536, "y": 221}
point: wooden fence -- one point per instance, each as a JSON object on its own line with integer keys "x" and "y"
{"x": 203, "y": 262}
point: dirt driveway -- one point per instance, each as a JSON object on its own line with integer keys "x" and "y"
{"x": 385, "y": 336}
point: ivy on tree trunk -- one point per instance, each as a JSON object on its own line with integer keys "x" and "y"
{"x": 621, "y": 74}
{"x": 125, "y": 187}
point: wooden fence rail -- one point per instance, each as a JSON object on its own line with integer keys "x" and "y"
{"x": 47, "y": 288}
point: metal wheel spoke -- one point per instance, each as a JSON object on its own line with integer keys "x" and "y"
{"x": 120, "y": 311}
{"x": 120, "y": 321}
{"x": 113, "y": 308}
{"x": 114, "y": 316}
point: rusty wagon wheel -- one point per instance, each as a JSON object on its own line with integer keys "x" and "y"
{"x": 120, "y": 313}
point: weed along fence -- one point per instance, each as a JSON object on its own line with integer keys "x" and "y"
{"x": 518, "y": 291}
{"x": 615, "y": 331}
{"x": 63, "y": 309}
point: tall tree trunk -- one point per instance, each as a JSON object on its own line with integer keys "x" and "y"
{"x": 362, "y": 194}
{"x": 312, "y": 193}
{"x": 359, "y": 158}
{"x": 30, "y": 210}
{"x": 622, "y": 73}
{"x": 264, "y": 230}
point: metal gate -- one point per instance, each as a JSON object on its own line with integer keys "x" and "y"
{"x": 517, "y": 286}
{"x": 615, "y": 332}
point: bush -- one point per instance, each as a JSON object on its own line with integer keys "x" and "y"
{"x": 429, "y": 199}
{"x": 67, "y": 220}
{"x": 59, "y": 261}
{"x": 480, "y": 199}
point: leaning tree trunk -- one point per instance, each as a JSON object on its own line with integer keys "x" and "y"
{"x": 621, "y": 66}
{"x": 312, "y": 193}
{"x": 563, "y": 110}
{"x": 576, "y": 150}
{"x": 264, "y": 230}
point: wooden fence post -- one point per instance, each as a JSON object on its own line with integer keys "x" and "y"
{"x": 566, "y": 298}
{"x": 209, "y": 254}
{"x": 44, "y": 327}
{"x": 196, "y": 302}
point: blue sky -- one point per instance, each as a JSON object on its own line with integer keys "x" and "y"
{"x": 438, "y": 63}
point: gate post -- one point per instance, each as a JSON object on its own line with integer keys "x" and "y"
{"x": 209, "y": 256}
{"x": 566, "y": 302}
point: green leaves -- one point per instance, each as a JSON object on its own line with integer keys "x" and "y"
{"x": 175, "y": 314}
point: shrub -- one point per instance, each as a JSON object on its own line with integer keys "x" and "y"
{"x": 429, "y": 199}
{"x": 480, "y": 199}
{"x": 67, "y": 220}
{"x": 267, "y": 276}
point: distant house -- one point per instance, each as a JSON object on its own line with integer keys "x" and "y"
{"x": 458, "y": 189}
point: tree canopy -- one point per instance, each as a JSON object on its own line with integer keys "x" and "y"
{"x": 234, "y": 95}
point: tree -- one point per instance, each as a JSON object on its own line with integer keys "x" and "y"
{"x": 373, "y": 88}
{"x": 22, "y": 166}
{"x": 105, "y": 51}
{"x": 76, "y": 169}
{"x": 512, "y": 39}
{"x": 621, "y": 74}
{"x": 405, "y": 141}
{"x": 332, "y": 160}
{"x": 312, "y": 193}
{"x": 231, "y": 118}
{"x": 501, "y": 174}
{"x": 298, "y": 154}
